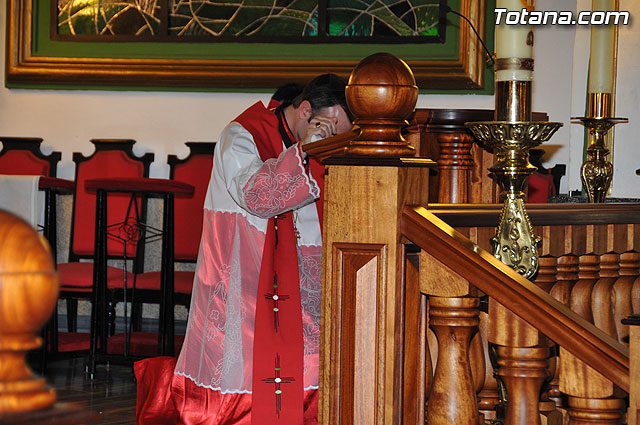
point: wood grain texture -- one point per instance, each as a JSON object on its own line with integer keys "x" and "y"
{"x": 28, "y": 294}
{"x": 580, "y": 380}
{"x": 452, "y": 398}
{"x": 601, "y": 296}
{"x": 362, "y": 205}
{"x": 634, "y": 394}
{"x": 440, "y": 281}
{"x": 510, "y": 289}
{"x": 417, "y": 369}
{"x": 583, "y": 411}
{"x": 622, "y": 293}
{"x": 523, "y": 371}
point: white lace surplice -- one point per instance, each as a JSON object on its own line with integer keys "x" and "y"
{"x": 243, "y": 192}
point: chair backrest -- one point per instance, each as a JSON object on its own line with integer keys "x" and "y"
{"x": 112, "y": 158}
{"x": 22, "y": 156}
{"x": 195, "y": 169}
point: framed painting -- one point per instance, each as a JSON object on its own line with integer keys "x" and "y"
{"x": 249, "y": 45}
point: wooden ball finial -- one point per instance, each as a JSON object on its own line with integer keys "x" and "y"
{"x": 28, "y": 294}
{"x": 381, "y": 94}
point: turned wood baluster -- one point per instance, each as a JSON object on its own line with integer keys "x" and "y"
{"x": 567, "y": 276}
{"x": 547, "y": 270}
{"x": 635, "y": 296}
{"x": 588, "y": 267}
{"x": 601, "y": 303}
{"x": 454, "y": 164}
{"x": 621, "y": 297}
{"x": 452, "y": 399}
{"x": 523, "y": 370}
{"x": 522, "y": 356}
{"x": 592, "y": 398}
{"x": 583, "y": 411}
{"x": 546, "y": 279}
{"x": 489, "y": 395}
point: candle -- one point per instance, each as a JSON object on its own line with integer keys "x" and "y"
{"x": 514, "y": 41}
{"x": 602, "y": 57}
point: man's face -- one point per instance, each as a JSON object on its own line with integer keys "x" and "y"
{"x": 337, "y": 115}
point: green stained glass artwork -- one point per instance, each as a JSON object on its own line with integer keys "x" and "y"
{"x": 104, "y": 17}
{"x": 251, "y": 20}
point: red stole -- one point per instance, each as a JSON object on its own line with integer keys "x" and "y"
{"x": 278, "y": 346}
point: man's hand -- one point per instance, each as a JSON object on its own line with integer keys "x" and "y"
{"x": 320, "y": 127}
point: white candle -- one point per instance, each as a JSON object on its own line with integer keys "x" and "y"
{"x": 514, "y": 41}
{"x": 602, "y": 57}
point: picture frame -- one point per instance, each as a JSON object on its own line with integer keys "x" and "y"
{"x": 35, "y": 60}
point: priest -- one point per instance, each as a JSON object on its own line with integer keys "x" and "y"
{"x": 251, "y": 351}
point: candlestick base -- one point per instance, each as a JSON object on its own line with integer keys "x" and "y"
{"x": 514, "y": 243}
{"x": 596, "y": 172}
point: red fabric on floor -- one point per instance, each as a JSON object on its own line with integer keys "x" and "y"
{"x": 165, "y": 399}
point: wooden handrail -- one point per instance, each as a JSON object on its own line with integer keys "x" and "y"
{"x": 522, "y": 297}
{"x": 487, "y": 215}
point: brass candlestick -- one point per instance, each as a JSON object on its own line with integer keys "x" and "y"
{"x": 514, "y": 243}
{"x": 510, "y": 137}
{"x": 596, "y": 172}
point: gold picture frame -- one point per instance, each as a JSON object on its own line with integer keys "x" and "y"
{"x": 466, "y": 72}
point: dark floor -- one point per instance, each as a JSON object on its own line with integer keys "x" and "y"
{"x": 108, "y": 399}
{"x": 111, "y": 393}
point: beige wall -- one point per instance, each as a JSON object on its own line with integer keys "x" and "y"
{"x": 161, "y": 122}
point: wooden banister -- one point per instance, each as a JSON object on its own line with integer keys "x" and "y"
{"x": 483, "y": 215}
{"x": 522, "y": 297}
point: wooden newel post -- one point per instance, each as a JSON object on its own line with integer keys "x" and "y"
{"x": 370, "y": 176}
{"x": 28, "y": 293}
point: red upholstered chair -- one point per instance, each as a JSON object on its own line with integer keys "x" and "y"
{"x": 111, "y": 158}
{"x": 23, "y": 156}
{"x": 195, "y": 169}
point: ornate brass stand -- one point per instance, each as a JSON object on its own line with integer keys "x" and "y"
{"x": 514, "y": 243}
{"x": 596, "y": 172}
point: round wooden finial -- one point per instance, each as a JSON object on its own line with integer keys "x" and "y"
{"x": 381, "y": 94}
{"x": 28, "y": 294}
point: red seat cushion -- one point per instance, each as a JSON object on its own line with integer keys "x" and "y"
{"x": 79, "y": 276}
{"x": 73, "y": 341}
{"x": 183, "y": 281}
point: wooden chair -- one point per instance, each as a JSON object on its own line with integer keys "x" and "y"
{"x": 112, "y": 158}
{"x": 23, "y": 156}
{"x": 195, "y": 169}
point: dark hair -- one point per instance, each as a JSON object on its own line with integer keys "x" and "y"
{"x": 324, "y": 91}
{"x": 285, "y": 94}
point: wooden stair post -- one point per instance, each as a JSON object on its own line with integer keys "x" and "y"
{"x": 370, "y": 176}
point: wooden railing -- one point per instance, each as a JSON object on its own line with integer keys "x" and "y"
{"x": 525, "y": 320}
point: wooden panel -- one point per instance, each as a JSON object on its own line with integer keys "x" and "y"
{"x": 358, "y": 333}
{"x": 362, "y": 206}
{"x": 417, "y": 369}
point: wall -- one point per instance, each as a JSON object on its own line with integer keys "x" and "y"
{"x": 161, "y": 122}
